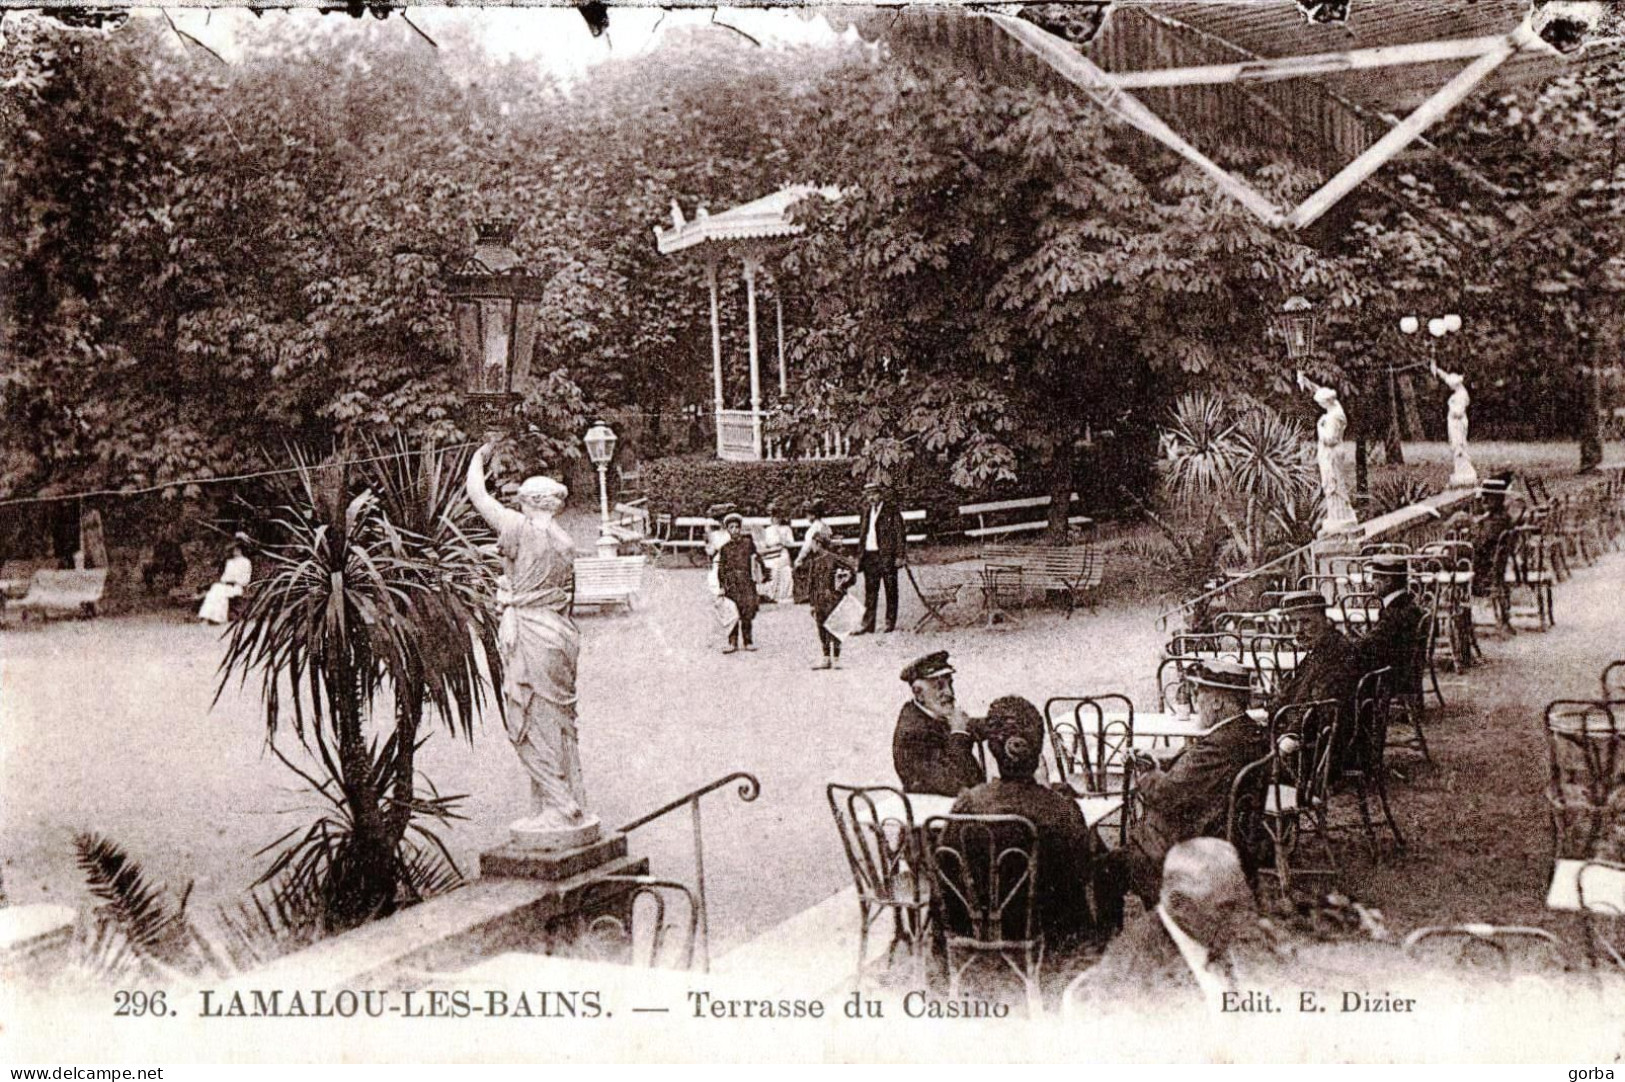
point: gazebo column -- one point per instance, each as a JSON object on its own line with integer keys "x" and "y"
{"x": 716, "y": 352}
{"x": 752, "y": 264}
{"x": 778, "y": 306}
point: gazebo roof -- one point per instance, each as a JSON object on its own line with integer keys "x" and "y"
{"x": 760, "y": 219}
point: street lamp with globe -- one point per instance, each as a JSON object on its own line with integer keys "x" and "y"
{"x": 600, "y": 441}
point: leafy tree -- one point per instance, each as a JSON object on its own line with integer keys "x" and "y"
{"x": 1008, "y": 273}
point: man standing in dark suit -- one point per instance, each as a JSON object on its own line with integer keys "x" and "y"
{"x": 1190, "y": 798}
{"x": 882, "y": 550}
{"x": 932, "y": 746}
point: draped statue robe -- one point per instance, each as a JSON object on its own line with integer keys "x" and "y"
{"x": 540, "y": 644}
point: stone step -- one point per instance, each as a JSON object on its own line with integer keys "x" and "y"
{"x": 815, "y": 949}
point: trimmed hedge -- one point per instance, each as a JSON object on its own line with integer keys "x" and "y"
{"x": 689, "y": 484}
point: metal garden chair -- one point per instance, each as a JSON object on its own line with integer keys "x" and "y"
{"x": 1291, "y": 786}
{"x": 1585, "y": 751}
{"x": 1364, "y": 769}
{"x": 987, "y": 881}
{"x": 640, "y": 938}
{"x": 1613, "y": 682}
{"x": 888, "y": 865}
{"x": 1473, "y": 944}
{"x": 1595, "y": 890}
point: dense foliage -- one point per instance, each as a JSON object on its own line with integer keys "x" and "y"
{"x": 200, "y": 261}
{"x": 1007, "y": 274}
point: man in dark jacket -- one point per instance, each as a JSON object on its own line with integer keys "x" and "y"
{"x": 1395, "y": 640}
{"x": 932, "y": 746}
{"x": 1202, "y": 939}
{"x": 1069, "y": 855}
{"x": 1331, "y": 668}
{"x": 882, "y": 549}
{"x": 1190, "y": 798}
{"x": 1489, "y": 561}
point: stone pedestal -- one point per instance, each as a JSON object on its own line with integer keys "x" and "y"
{"x": 542, "y": 834}
{"x": 578, "y": 886}
{"x": 1327, "y": 548}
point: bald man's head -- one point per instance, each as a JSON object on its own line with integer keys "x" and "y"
{"x": 1206, "y": 893}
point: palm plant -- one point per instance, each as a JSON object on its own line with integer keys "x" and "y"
{"x": 375, "y": 584}
{"x": 1240, "y": 463}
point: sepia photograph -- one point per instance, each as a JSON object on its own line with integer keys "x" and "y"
{"x": 1076, "y": 532}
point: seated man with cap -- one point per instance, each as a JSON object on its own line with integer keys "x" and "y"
{"x": 1395, "y": 640}
{"x": 1070, "y": 857}
{"x": 1190, "y": 797}
{"x": 933, "y": 747}
{"x": 1489, "y": 561}
{"x": 1329, "y": 669}
{"x": 1202, "y": 939}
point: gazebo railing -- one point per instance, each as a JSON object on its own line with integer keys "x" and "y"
{"x": 830, "y": 444}
{"x": 736, "y": 436}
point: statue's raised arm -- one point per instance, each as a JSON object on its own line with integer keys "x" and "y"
{"x": 489, "y": 507}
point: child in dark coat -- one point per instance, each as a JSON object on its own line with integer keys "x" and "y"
{"x": 828, "y": 576}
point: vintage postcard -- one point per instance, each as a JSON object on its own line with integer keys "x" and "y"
{"x": 1081, "y": 531}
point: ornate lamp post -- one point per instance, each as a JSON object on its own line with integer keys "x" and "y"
{"x": 1297, "y": 323}
{"x": 496, "y": 303}
{"x": 600, "y": 441}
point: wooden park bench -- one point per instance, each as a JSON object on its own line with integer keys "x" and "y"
{"x": 17, "y": 575}
{"x": 853, "y": 523}
{"x": 77, "y": 591}
{"x": 1031, "y": 515}
{"x": 601, "y": 581}
{"x": 1073, "y": 570}
{"x": 685, "y": 533}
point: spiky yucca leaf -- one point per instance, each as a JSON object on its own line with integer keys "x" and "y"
{"x": 152, "y": 926}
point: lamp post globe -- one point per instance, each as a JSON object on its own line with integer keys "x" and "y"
{"x": 600, "y": 440}
{"x": 1452, "y": 323}
{"x": 1410, "y": 325}
{"x": 1437, "y": 327}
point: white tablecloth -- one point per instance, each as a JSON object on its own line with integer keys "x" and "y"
{"x": 925, "y": 805}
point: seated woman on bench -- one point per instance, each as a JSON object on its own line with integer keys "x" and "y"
{"x": 239, "y": 571}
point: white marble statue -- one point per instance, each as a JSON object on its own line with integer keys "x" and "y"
{"x": 1333, "y": 460}
{"x": 539, "y": 643}
{"x": 1462, "y": 475}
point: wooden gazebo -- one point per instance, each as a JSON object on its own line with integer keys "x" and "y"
{"x": 744, "y": 233}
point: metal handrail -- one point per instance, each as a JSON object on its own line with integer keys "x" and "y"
{"x": 749, "y": 789}
{"x": 1247, "y": 576}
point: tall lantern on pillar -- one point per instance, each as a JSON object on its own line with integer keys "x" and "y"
{"x": 496, "y": 303}
{"x": 1297, "y": 323}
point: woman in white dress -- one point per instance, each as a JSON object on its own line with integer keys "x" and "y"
{"x": 239, "y": 571}
{"x": 777, "y": 541}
